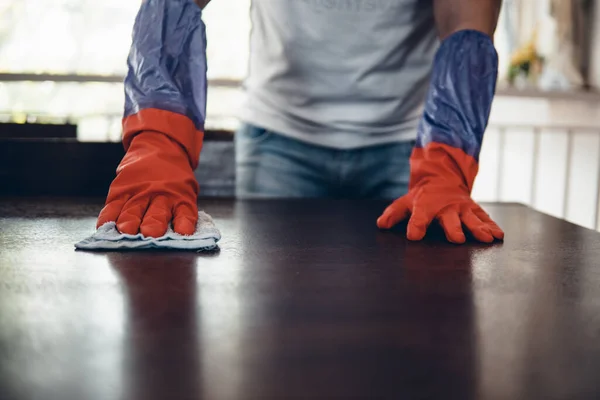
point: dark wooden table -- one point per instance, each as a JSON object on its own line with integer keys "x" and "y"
{"x": 306, "y": 299}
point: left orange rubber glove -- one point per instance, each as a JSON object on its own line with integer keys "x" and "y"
{"x": 441, "y": 190}
{"x": 445, "y": 160}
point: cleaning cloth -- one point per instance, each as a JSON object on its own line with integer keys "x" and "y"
{"x": 107, "y": 237}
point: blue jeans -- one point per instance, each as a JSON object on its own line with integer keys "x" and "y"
{"x": 270, "y": 165}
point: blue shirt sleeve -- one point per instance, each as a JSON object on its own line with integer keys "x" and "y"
{"x": 459, "y": 100}
{"x": 167, "y": 61}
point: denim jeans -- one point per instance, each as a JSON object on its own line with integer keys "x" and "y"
{"x": 270, "y": 165}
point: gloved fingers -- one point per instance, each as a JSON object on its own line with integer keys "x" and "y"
{"x": 418, "y": 223}
{"x": 396, "y": 212}
{"x": 450, "y": 222}
{"x": 497, "y": 232}
{"x": 185, "y": 218}
{"x": 111, "y": 211}
{"x": 157, "y": 217}
{"x": 476, "y": 226}
{"x": 132, "y": 214}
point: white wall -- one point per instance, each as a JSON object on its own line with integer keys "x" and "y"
{"x": 544, "y": 153}
{"x": 595, "y": 61}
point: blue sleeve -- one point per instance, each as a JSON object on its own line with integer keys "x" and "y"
{"x": 459, "y": 101}
{"x": 167, "y": 61}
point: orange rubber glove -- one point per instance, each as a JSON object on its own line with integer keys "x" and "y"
{"x": 441, "y": 190}
{"x": 445, "y": 160}
{"x": 155, "y": 181}
{"x": 165, "y": 109}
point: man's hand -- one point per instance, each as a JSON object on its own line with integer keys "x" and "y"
{"x": 445, "y": 161}
{"x": 441, "y": 180}
{"x": 452, "y": 208}
{"x": 155, "y": 185}
{"x": 163, "y": 125}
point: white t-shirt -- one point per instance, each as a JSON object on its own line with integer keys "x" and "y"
{"x": 340, "y": 73}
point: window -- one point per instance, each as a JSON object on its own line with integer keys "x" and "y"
{"x": 50, "y": 48}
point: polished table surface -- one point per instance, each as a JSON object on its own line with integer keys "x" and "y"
{"x": 305, "y": 299}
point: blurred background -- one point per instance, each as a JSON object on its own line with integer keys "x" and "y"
{"x": 62, "y": 64}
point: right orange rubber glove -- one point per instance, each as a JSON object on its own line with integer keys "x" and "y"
{"x": 163, "y": 125}
{"x": 155, "y": 181}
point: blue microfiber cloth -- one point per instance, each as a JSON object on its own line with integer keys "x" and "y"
{"x": 107, "y": 237}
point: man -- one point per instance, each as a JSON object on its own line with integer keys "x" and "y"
{"x": 334, "y": 108}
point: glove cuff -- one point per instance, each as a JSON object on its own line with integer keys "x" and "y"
{"x": 463, "y": 85}
{"x": 442, "y": 165}
{"x": 177, "y": 127}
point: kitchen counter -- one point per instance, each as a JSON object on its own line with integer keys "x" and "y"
{"x": 304, "y": 299}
